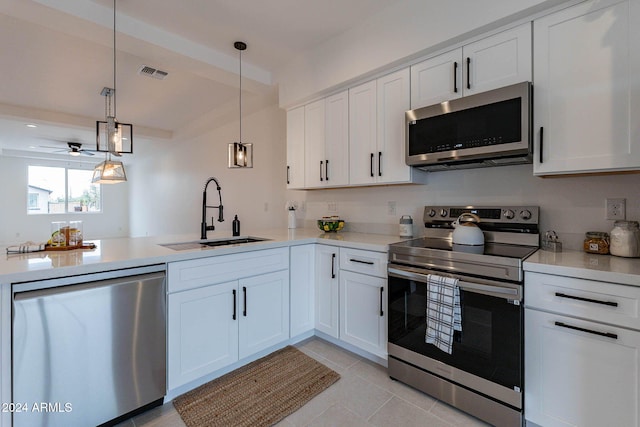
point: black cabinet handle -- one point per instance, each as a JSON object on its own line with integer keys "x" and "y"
{"x": 541, "y": 142}
{"x": 381, "y": 311}
{"x": 288, "y": 181}
{"x": 590, "y": 331}
{"x": 234, "y": 305}
{"x": 372, "y": 155}
{"x": 321, "y": 171}
{"x": 595, "y": 301}
{"x": 455, "y": 77}
{"x": 379, "y": 163}
{"x": 360, "y": 261}
{"x": 333, "y": 266}
{"x": 326, "y": 170}
{"x": 244, "y": 308}
{"x": 468, "y": 73}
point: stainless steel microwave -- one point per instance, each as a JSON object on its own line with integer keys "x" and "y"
{"x": 492, "y": 128}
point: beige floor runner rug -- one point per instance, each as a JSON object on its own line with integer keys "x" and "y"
{"x": 258, "y": 394}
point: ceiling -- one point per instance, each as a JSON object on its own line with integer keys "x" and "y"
{"x": 55, "y": 58}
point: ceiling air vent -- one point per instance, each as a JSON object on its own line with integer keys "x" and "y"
{"x": 145, "y": 70}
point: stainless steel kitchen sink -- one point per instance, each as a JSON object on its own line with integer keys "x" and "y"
{"x": 213, "y": 243}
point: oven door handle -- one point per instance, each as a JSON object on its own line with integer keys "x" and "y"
{"x": 499, "y": 290}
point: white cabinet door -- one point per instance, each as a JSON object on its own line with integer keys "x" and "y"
{"x": 264, "y": 311}
{"x": 394, "y": 98}
{"x": 362, "y": 134}
{"x": 301, "y": 288}
{"x": 363, "y": 309}
{"x": 314, "y": 154}
{"x": 587, "y": 70}
{"x": 496, "y": 61}
{"x": 202, "y": 332}
{"x": 326, "y": 290}
{"x": 576, "y": 376}
{"x": 437, "y": 79}
{"x": 336, "y": 166}
{"x": 295, "y": 148}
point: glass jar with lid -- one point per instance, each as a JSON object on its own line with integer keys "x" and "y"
{"x": 596, "y": 242}
{"x": 625, "y": 239}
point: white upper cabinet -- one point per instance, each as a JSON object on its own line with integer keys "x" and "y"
{"x": 295, "y": 148}
{"x": 362, "y": 133}
{"x": 377, "y": 131}
{"x": 489, "y": 63}
{"x": 326, "y": 141}
{"x": 587, "y": 101}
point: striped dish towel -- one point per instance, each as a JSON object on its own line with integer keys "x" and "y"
{"x": 443, "y": 311}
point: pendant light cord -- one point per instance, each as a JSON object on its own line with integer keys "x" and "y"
{"x": 114, "y": 58}
{"x": 240, "y": 97}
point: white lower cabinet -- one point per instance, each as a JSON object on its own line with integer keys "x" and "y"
{"x": 326, "y": 289}
{"x": 264, "y": 316}
{"x": 363, "y": 302}
{"x": 202, "y": 333}
{"x": 580, "y": 372}
{"x": 213, "y": 324}
{"x": 301, "y": 289}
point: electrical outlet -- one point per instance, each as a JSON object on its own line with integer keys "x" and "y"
{"x": 391, "y": 208}
{"x": 616, "y": 209}
{"x": 332, "y": 207}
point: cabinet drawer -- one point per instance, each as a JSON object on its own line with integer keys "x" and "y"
{"x": 195, "y": 273}
{"x": 367, "y": 262}
{"x": 599, "y": 301}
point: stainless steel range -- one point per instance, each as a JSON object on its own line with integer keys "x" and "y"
{"x": 482, "y": 371}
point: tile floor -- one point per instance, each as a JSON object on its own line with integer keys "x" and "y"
{"x": 364, "y": 396}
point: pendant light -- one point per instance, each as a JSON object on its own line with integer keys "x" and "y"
{"x": 112, "y": 137}
{"x": 240, "y": 154}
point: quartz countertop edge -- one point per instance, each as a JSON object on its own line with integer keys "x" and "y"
{"x": 123, "y": 253}
{"x": 605, "y": 268}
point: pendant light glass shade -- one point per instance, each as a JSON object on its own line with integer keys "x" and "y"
{"x": 109, "y": 172}
{"x": 240, "y": 155}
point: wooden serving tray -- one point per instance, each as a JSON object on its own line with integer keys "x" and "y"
{"x": 69, "y": 248}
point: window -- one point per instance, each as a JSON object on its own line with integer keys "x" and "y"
{"x": 61, "y": 190}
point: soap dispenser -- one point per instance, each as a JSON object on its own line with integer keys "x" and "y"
{"x": 235, "y": 226}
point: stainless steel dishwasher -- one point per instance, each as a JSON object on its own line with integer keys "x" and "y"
{"x": 88, "y": 350}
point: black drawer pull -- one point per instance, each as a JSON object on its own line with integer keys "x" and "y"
{"x": 371, "y": 164}
{"x": 326, "y": 170}
{"x": 468, "y": 73}
{"x": 288, "y": 181}
{"x": 541, "y": 143}
{"x": 234, "y": 305}
{"x": 244, "y": 309}
{"x": 379, "y": 163}
{"x": 321, "y": 162}
{"x": 576, "y": 328}
{"x": 595, "y": 301}
{"x": 381, "y": 311}
{"x": 333, "y": 266}
{"x": 455, "y": 77}
{"x": 361, "y": 262}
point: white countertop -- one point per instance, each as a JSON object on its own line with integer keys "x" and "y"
{"x": 606, "y": 268}
{"x": 120, "y": 253}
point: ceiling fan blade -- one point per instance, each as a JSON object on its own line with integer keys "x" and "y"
{"x": 86, "y": 153}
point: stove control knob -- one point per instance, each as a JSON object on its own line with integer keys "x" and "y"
{"x": 525, "y": 214}
{"x": 443, "y": 213}
{"x": 432, "y": 213}
{"x": 509, "y": 214}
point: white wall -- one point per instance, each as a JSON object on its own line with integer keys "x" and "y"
{"x": 167, "y": 179}
{"x": 17, "y": 226}
{"x": 570, "y": 205}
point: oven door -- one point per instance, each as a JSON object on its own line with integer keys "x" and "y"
{"x": 486, "y": 354}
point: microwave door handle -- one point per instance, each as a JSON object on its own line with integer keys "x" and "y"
{"x": 501, "y": 290}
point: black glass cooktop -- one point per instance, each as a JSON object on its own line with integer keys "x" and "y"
{"x": 489, "y": 248}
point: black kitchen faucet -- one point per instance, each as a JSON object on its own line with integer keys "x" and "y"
{"x": 203, "y": 225}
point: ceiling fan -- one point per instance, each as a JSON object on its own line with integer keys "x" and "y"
{"x": 75, "y": 149}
